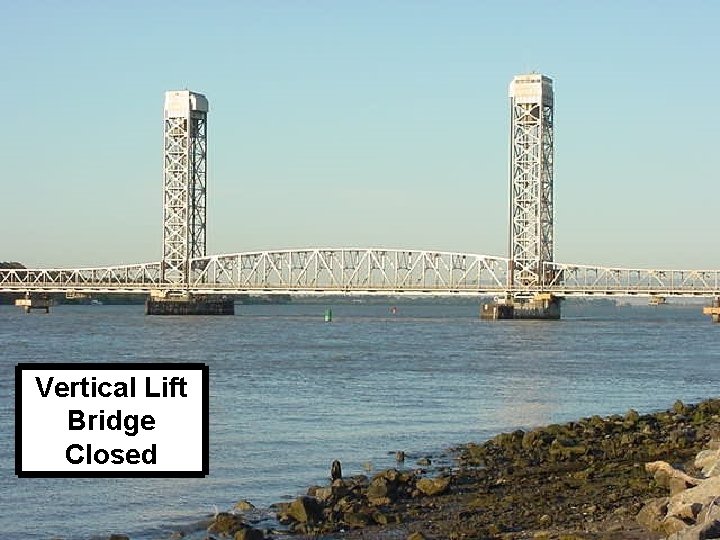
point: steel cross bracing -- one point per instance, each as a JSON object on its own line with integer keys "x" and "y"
{"x": 531, "y": 178}
{"x": 364, "y": 272}
{"x": 184, "y": 183}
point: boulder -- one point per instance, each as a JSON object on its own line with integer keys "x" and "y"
{"x": 631, "y": 418}
{"x": 378, "y": 488}
{"x": 664, "y": 473}
{"x": 672, "y": 525}
{"x": 356, "y": 519}
{"x": 653, "y": 513}
{"x": 704, "y": 493}
{"x": 325, "y": 493}
{"x": 382, "y": 518}
{"x": 712, "y": 469}
{"x": 249, "y": 534}
{"x": 244, "y": 506}
{"x": 709, "y": 462}
{"x": 705, "y": 457}
{"x": 707, "y": 528}
{"x": 433, "y": 486}
{"x": 691, "y": 512}
{"x": 226, "y": 524}
{"x": 305, "y": 510}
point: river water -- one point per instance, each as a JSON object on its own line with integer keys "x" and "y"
{"x": 290, "y": 393}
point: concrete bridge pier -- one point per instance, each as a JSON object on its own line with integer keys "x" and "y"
{"x": 713, "y": 310}
{"x": 541, "y": 306}
{"x": 30, "y": 302}
{"x": 186, "y": 303}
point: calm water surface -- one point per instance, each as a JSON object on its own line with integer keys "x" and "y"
{"x": 289, "y": 393}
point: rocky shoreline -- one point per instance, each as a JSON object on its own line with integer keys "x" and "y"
{"x": 587, "y": 479}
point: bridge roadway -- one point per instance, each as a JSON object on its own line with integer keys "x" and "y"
{"x": 364, "y": 272}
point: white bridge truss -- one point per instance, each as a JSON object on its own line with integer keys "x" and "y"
{"x": 363, "y": 272}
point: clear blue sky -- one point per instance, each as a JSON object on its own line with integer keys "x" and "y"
{"x": 365, "y": 123}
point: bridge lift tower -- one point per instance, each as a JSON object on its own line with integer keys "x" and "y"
{"x": 184, "y": 206}
{"x": 184, "y": 184}
{"x": 531, "y": 232}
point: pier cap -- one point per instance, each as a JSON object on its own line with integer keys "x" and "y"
{"x": 180, "y": 103}
{"x": 531, "y": 88}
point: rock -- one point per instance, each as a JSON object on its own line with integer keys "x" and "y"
{"x": 653, "y": 513}
{"x": 424, "y": 462}
{"x": 326, "y": 493}
{"x": 249, "y": 534}
{"x": 664, "y": 472}
{"x": 335, "y": 470}
{"x": 631, "y": 418}
{"x": 416, "y": 536}
{"x": 704, "y": 493}
{"x": 379, "y": 487}
{"x": 400, "y": 456}
{"x": 672, "y": 525}
{"x": 391, "y": 475}
{"x": 434, "y": 486}
{"x": 678, "y": 407}
{"x": 356, "y": 519}
{"x": 534, "y": 439}
{"x": 305, "y": 510}
{"x": 244, "y": 506}
{"x": 712, "y": 469}
{"x": 382, "y": 518}
{"x": 709, "y": 462}
{"x": 226, "y": 524}
{"x": 118, "y": 537}
{"x": 708, "y": 526}
{"x": 690, "y": 513}
{"x": 677, "y": 485}
{"x": 705, "y": 457}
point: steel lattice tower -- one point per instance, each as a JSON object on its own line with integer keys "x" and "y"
{"x": 184, "y": 183}
{"x": 531, "y": 179}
